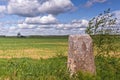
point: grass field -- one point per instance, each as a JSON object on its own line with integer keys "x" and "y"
{"x": 44, "y": 58}
{"x": 36, "y": 48}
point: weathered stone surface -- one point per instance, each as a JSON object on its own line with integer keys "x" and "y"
{"x": 80, "y": 54}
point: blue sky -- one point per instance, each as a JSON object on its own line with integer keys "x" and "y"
{"x": 89, "y": 12}
{"x": 51, "y": 17}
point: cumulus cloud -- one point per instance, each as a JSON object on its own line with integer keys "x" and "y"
{"x": 23, "y": 7}
{"x": 3, "y": 29}
{"x": 75, "y": 24}
{"x": 50, "y": 19}
{"x": 12, "y": 28}
{"x": 56, "y": 6}
{"x": 74, "y": 27}
{"x": 117, "y": 14}
{"x": 91, "y": 2}
{"x": 2, "y": 9}
{"x": 82, "y": 22}
{"x": 25, "y": 26}
{"x": 30, "y": 8}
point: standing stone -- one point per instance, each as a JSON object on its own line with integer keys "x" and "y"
{"x": 80, "y": 54}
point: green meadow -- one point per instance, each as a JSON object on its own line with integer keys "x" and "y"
{"x": 36, "y": 48}
{"x": 45, "y": 58}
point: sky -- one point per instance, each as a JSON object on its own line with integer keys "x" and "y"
{"x": 51, "y": 17}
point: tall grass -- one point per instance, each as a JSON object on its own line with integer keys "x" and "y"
{"x": 55, "y": 69}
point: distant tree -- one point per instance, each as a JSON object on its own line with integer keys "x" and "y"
{"x": 18, "y": 34}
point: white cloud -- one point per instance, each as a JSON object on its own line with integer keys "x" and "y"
{"x": 50, "y": 19}
{"x": 117, "y": 14}
{"x": 56, "y": 6}
{"x": 82, "y": 22}
{"x": 75, "y": 24}
{"x": 23, "y": 7}
{"x": 89, "y": 3}
{"x": 2, "y": 9}
{"x": 100, "y": 1}
{"x": 3, "y": 29}
{"x": 26, "y": 26}
{"x": 30, "y": 8}
{"x": 74, "y": 27}
{"x": 12, "y": 28}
